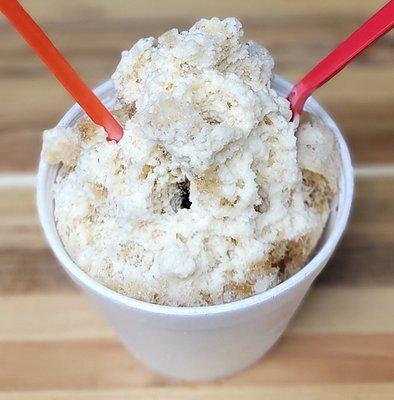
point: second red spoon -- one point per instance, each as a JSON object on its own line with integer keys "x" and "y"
{"x": 373, "y": 29}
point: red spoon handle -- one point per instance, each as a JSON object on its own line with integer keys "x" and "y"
{"x": 63, "y": 71}
{"x": 369, "y": 32}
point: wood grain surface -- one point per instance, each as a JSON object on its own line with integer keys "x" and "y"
{"x": 53, "y": 344}
{"x": 92, "y": 34}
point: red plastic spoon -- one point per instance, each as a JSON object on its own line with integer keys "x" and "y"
{"x": 63, "y": 71}
{"x": 373, "y": 29}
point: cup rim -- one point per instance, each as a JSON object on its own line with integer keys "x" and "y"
{"x": 346, "y": 194}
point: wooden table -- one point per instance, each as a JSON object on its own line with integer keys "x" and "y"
{"x": 53, "y": 345}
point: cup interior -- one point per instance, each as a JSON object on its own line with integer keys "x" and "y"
{"x": 340, "y": 209}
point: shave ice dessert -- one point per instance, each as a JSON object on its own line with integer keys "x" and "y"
{"x": 213, "y": 194}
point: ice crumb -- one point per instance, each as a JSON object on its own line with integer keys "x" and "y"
{"x": 318, "y": 150}
{"x": 60, "y": 144}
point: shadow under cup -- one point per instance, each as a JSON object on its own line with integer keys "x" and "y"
{"x": 202, "y": 343}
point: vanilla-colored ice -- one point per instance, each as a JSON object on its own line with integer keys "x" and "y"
{"x": 212, "y": 194}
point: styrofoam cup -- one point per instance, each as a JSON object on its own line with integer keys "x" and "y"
{"x": 202, "y": 343}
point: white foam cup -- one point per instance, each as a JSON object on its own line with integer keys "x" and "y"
{"x": 210, "y": 342}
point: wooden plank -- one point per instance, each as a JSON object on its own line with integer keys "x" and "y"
{"x": 364, "y": 256}
{"x": 32, "y": 271}
{"x": 63, "y": 365}
{"x": 358, "y": 98}
{"x": 141, "y": 9}
{"x": 104, "y": 364}
{"x": 51, "y": 318}
{"x": 26, "y": 263}
{"x": 381, "y": 391}
{"x": 364, "y": 115}
{"x": 331, "y": 309}
{"x": 54, "y": 317}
